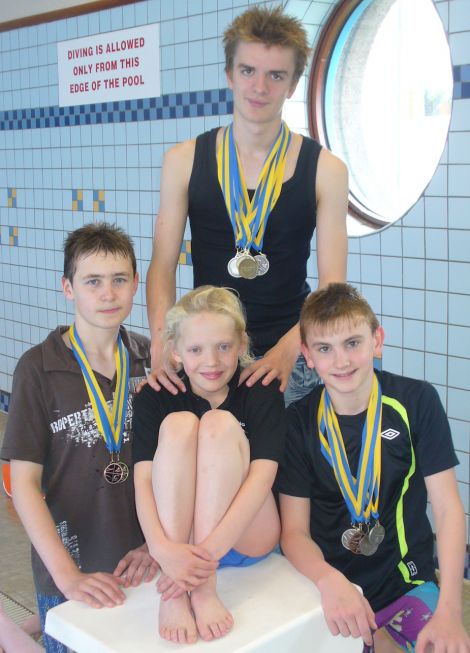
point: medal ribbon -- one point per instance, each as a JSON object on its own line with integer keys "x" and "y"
{"x": 249, "y": 218}
{"x": 110, "y": 425}
{"x": 362, "y": 493}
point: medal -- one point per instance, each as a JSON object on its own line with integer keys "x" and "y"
{"x": 247, "y": 266}
{"x": 232, "y": 267}
{"x": 249, "y": 217}
{"x": 110, "y": 424}
{"x": 262, "y": 263}
{"x": 347, "y": 536}
{"x": 360, "y": 494}
{"x": 377, "y": 534}
{"x": 366, "y": 547}
{"x": 116, "y": 471}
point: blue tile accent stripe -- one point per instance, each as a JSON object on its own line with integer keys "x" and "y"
{"x": 461, "y": 82}
{"x": 190, "y": 104}
{"x": 4, "y": 401}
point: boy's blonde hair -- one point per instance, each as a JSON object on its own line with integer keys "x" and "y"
{"x": 206, "y": 299}
{"x": 270, "y": 27}
{"x": 328, "y": 306}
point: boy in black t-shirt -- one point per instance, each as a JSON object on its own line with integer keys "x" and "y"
{"x": 363, "y": 454}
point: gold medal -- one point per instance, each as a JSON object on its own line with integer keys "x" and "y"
{"x": 247, "y": 266}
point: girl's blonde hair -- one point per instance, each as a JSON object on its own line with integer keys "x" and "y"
{"x": 205, "y": 299}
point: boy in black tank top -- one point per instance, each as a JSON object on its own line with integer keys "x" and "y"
{"x": 266, "y": 259}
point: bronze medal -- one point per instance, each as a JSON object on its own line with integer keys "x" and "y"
{"x": 247, "y": 266}
{"x": 116, "y": 472}
{"x": 262, "y": 264}
{"x": 355, "y": 542}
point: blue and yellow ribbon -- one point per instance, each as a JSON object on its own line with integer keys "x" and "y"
{"x": 249, "y": 218}
{"x": 110, "y": 425}
{"x": 361, "y": 494}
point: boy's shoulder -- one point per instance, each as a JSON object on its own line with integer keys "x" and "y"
{"x": 404, "y": 388}
{"x": 50, "y": 354}
{"x": 137, "y": 344}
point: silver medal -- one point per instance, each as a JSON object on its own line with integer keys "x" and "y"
{"x": 377, "y": 534}
{"x": 366, "y": 547}
{"x": 262, "y": 264}
{"x": 233, "y": 268}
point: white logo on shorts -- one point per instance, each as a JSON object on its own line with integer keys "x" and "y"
{"x": 390, "y": 434}
{"x": 412, "y": 567}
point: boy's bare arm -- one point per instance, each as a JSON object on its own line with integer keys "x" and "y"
{"x": 346, "y": 611}
{"x": 168, "y": 237}
{"x": 445, "y": 630}
{"x": 98, "y": 589}
{"x": 186, "y": 564}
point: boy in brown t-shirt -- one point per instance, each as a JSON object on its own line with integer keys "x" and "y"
{"x": 69, "y": 433}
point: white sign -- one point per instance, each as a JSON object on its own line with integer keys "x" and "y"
{"x": 121, "y": 65}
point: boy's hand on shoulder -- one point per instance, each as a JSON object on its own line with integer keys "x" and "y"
{"x": 445, "y": 633}
{"x": 347, "y": 611}
{"x": 187, "y": 565}
{"x": 277, "y": 363}
{"x": 137, "y": 565}
{"x": 97, "y": 590}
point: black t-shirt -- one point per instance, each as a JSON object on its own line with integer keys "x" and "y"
{"x": 272, "y": 301}
{"x": 416, "y": 442}
{"x": 259, "y": 409}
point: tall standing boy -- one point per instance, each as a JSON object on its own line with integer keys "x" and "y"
{"x": 69, "y": 433}
{"x": 364, "y": 453}
{"x": 254, "y": 193}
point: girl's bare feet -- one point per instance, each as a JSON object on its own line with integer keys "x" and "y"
{"x": 176, "y": 622}
{"x": 213, "y": 620}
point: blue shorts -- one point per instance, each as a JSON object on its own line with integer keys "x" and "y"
{"x": 404, "y": 618}
{"x": 45, "y": 603}
{"x": 235, "y": 559}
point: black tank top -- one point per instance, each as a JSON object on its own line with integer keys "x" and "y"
{"x": 272, "y": 301}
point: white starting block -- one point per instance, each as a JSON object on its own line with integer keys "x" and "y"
{"x": 275, "y": 609}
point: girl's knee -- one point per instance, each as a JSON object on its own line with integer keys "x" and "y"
{"x": 215, "y": 424}
{"x": 178, "y": 429}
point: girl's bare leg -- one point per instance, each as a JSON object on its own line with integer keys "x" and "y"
{"x": 174, "y": 487}
{"x": 223, "y": 459}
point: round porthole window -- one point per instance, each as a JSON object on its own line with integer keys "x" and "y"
{"x": 380, "y": 98}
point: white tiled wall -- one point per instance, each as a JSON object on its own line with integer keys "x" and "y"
{"x": 416, "y": 274}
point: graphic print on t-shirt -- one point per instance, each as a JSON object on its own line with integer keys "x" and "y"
{"x": 80, "y": 426}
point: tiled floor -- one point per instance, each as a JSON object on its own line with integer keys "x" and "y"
{"x": 15, "y": 571}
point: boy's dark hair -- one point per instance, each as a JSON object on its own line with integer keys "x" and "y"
{"x": 93, "y": 238}
{"x": 327, "y": 306}
{"x": 271, "y": 27}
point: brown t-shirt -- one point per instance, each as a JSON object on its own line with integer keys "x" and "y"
{"x": 51, "y": 422}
